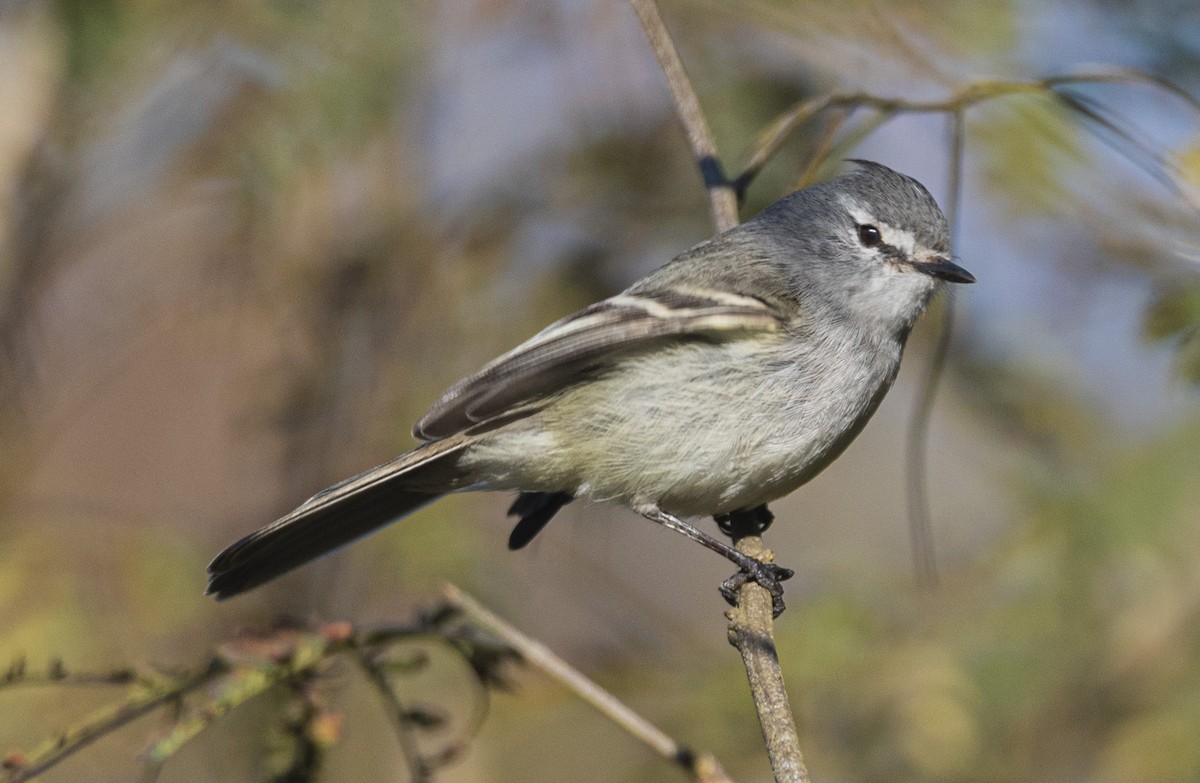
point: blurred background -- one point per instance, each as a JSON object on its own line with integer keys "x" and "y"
{"x": 243, "y": 245}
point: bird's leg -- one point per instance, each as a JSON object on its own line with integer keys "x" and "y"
{"x": 749, "y": 522}
{"x": 740, "y": 524}
{"x": 769, "y": 575}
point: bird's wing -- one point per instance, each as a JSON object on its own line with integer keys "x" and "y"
{"x": 560, "y": 354}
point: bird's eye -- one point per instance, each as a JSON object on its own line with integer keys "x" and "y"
{"x": 869, "y": 235}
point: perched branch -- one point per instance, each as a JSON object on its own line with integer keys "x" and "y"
{"x": 752, "y": 620}
{"x": 721, "y": 194}
{"x": 751, "y": 631}
{"x": 703, "y": 767}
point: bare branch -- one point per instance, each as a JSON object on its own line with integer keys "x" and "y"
{"x": 771, "y": 139}
{"x": 723, "y": 201}
{"x": 860, "y": 130}
{"x": 703, "y": 767}
{"x": 1127, "y": 76}
{"x": 969, "y": 95}
{"x": 751, "y": 631}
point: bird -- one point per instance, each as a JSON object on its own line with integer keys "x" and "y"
{"x": 718, "y": 383}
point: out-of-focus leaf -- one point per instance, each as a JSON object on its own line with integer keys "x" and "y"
{"x": 94, "y": 28}
{"x": 1028, "y": 404}
{"x": 1155, "y": 748}
{"x": 1030, "y": 147}
{"x": 1187, "y": 161}
{"x": 1174, "y": 311}
{"x": 1174, "y": 317}
{"x": 875, "y": 42}
{"x": 325, "y": 728}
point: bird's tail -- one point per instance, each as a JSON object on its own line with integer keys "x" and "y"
{"x": 338, "y": 515}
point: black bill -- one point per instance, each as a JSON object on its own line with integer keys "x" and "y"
{"x": 944, "y": 269}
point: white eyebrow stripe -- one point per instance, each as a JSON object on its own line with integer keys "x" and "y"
{"x": 857, "y": 211}
{"x": 899, "y": 238}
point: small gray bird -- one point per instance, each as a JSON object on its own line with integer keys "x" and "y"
{"x": 718, "y": 383}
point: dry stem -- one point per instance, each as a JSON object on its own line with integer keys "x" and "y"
{"x": 703, "y": 767}
{"x": 723, "y": 199}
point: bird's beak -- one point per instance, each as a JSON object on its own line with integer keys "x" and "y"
{"x": 943, "y": 269}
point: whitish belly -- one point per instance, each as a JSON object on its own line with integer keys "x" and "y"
{"x": 726, "y": 427}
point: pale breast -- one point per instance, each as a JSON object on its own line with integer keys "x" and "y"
{"x": 699, "y": 429}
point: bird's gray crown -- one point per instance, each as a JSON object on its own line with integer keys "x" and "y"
{"x": 811, "y": 244}
{"x": 822, "y": 217}
{"x": 897, "y": 200}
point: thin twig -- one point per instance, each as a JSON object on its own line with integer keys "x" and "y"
{"x": 821, "y": 149}
{"x": 1127, "y": 76}
{"x": 968, "y": 95}
{"x": 722, "y": 197}
{"x": 860, "y": 131}
{"x": 1100, "y": 119}
{"x": 120, "y": 677}
{"x": 418, "y": 769}
{"x": 920, "y": 530}
{"x": 110, "y": 720}
{"x": 702, "y": 766}
{"x": 751, "y": 631}
{"x": 770, "y": 140}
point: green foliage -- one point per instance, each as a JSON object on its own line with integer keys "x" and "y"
{"x": 1030, "y": 148}
{"x": 1174, "y": 318}
{"x": 95, "y": 30}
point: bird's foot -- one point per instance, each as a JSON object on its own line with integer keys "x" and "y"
{"x": 768, "y": 575}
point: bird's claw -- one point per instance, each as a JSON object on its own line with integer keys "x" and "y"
{"x": 768, "y": 575}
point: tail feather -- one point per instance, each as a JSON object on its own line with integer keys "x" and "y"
{"x": 338, "y": 515}
{"x": 535, "y": 510}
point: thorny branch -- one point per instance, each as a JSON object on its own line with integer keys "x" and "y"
{"x": 297, "y": 660}
{"x": 146, "y": 697}
{"x": 249, "y": 666}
